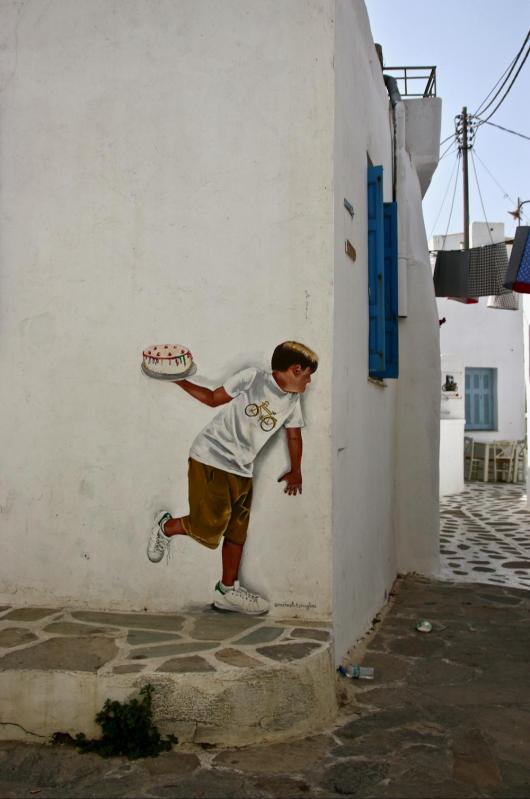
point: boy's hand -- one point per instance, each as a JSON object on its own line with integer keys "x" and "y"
{"x": 294, "y": 483}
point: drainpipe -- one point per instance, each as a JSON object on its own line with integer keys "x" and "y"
{"x": 398, "y": 117}
{"x": 395, "y": 98}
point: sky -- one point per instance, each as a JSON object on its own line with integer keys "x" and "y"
{"x": 471, "y": 43}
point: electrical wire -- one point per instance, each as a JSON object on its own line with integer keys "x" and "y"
{"x": 503, "y": 190}
{"x": 493, "y": 124}
{"x": 452, "y": 136}
{"x": 507, "y": 92}
{"x": 452, "y": 200}
{"x": 480, "y": 195}
{"x": 455, "y": 166}
{"x": 504, "y": 77}
{"x": 449, "y": 152}
{"x": 446, "y": 151}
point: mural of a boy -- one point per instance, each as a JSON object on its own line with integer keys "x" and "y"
{"x": 256, "y": 404}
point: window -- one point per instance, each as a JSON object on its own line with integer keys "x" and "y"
{"x": 481, "y": 399}
{"x": 383, "y": 341}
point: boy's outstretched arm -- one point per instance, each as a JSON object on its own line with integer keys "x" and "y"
{"x": 211, "y": 398}
{"x": 293, "y": 478}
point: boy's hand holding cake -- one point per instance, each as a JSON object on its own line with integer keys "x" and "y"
{"x": 168, "y": 362}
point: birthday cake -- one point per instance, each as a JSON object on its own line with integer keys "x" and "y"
{"x": 167, "y": 360}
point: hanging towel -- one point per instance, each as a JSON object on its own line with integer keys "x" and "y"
{"x": 487, "y": 270}
{"x": 504, "y": 302}
{"x": 478, "y": 272}
{"x": 518, "y": 272}
{"x": 451, "y": 273}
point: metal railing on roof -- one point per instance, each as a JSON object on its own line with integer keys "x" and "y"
{"x": 409, "y": 75}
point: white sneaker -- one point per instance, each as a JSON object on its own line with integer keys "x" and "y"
{"x": 159, "y": 542}
{"x": 239, "y": 600}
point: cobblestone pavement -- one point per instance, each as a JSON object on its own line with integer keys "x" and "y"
{"x": 485, "y": 535}
{"x": 124, "y": 643}
{"x": 448, "y": 715}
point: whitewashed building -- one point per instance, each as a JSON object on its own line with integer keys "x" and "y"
{"x": 176, "y": 171}
{"x": 482, "y": 347}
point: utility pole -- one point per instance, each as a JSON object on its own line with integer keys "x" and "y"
{"x": 464, "y": 147}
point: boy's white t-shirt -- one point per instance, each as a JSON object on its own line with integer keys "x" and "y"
{"x": 259, "y": 409}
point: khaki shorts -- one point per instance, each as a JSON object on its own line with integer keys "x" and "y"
{"x": 219, "y": 505}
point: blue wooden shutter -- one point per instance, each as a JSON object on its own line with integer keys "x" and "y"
{"x": 481, "y": 399}
{"x": 376, "y": 278}
{"x": 391, "y": 368}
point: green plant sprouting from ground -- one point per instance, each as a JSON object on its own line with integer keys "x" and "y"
{"x": 128, "y": 730}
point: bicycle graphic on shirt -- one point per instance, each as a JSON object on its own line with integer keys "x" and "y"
{"x": 267, "y": 419}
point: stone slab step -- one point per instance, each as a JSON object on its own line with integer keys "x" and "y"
{"x": 218, "y": 677}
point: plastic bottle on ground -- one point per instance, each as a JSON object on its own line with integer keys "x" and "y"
{"x": 355, "y": 672}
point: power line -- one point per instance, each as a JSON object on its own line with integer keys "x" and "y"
{"x": 503, "y": 190}
{"x": 504, "y": 77}
{"x": 480, "y": 195}
{"x": 447, "y": 138}
{"x": 455, "y": 166}
{"x": 452, "y": 201}
{"x": 507, "y": 92}
{"x": 493, "y": 124}
{"x": 447, "y": 150}
{"x": 467, "y": 125}
{"x": 451, "y": 151}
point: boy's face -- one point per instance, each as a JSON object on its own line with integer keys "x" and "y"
{"x": 296, "y": 379}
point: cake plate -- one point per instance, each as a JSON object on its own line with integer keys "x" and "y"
{"x": 174, "y": 378}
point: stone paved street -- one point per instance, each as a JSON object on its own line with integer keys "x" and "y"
{"x": 448, "y": 715}
{"x": 485, "y": 535}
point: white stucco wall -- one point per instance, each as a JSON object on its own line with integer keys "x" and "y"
{"x": 451, "y": 457}
{"x": 416, "y": 482}
{"x": 363, "y": 429}
{"x": 175, "y": 171}
{"x": 452, "y": 422}
{"x": 385, "y": 437}
{"x": 166, "y": 174}
{"x": 488, "y": 338}
{"x": 493, "y": 339}
{"x": 422, "y": 137}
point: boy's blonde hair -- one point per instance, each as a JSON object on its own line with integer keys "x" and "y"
{"x": 291, "y": 353}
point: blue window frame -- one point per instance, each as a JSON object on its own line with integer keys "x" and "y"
{"x": 481, "y": 399}
{"x": 383, "y": 337}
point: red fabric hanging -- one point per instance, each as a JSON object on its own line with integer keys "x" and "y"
{"x": 465, "y": 300}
